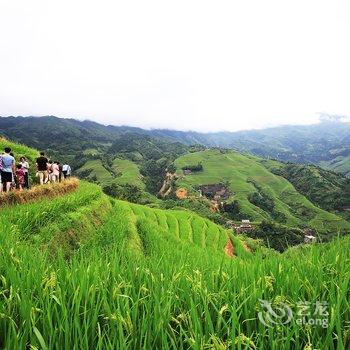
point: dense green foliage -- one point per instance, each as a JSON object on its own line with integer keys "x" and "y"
{"x": 104, "y": 154}
{"x": 328, "y": 190}
{"x": 129, "y": 193}
{"x": 86, "y": 271}
{"x": 198, "y": 205}
{"x": 83, "y": 271}
{"x": 194, "y": 168}
{"x": 276, "y": 236}
{"x": 261, "y": 198}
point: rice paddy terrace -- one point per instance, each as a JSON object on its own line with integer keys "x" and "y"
{"x": 123, "y": 171}
{"x": 246, "y": 175}
{"x": 79, "y": 269}
{"x": 82, "y": 270}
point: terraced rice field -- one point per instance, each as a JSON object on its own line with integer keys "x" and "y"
{"x": 85, "y": 271}
{"x": 123, "y": 172}
{"x": 241, "y": 172}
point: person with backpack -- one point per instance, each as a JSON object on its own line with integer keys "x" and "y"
{"x": 8, "y": 166}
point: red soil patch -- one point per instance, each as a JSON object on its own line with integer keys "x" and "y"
{"x": 214, "y": 208}
{"x": 181, "y": 193}
{"x": 229, "y": 249}
{"x": 246, "y": 247}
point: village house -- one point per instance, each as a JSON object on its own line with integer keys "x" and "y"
{"x": 214, "y": 191}
{"x": 244, "y": 227}
{"x": 309, "y": 236}
{"x": 310, "y": 239}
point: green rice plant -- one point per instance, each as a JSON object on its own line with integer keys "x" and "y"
{"x": 133, "y": 282}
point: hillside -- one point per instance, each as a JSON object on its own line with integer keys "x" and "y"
{"x": 259, "y": 194}
{"x": 83, "y": 270}
{"x": 340, "y": 164}
{"x": 326, "y": 189}
{"x": 123, "y": 171}
{"x": 133, "y": 168}
{"x": 326, "y": 144}
{"x": 86, "y": 271}
{"x": 19, "y": 150}
{"x": 58, "y": 137}
{"x": 114, "y": 157}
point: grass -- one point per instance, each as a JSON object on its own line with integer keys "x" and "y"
{"x": 339, "y": 164}
{"x": 128, "y": 172}
{"x": 83, "y": 271}
{"x": 19, "y": 150}
{"x": 241, "y": 171}
{"x": 97, "y": 172}
{"x": 122, "y": 278}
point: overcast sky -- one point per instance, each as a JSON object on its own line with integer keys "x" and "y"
{"x": 202, "y": 65}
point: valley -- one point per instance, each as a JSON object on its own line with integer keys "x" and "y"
{"x": 174, "y": 175}
{"x": 326, "y": 144}
{"x": 132, "y": 164}
{"x": 112, "y": 264}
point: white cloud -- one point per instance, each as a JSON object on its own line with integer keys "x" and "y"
{"x": 205, "y": 65}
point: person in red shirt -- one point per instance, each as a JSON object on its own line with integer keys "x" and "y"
{"x": 20, "y": 174}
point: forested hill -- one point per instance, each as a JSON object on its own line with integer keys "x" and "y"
{"x": 326, "y": 144}
{"x": 69, "y": 138}
{"x": 124, "y": 161}
{"x": 134, "y": 167}
{"x": 59, "y": 136}
{"x": 118, "y": 156}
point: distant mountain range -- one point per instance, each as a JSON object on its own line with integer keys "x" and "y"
{"x": 326, "y": 144}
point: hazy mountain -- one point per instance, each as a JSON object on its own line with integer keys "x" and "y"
{"x": 326, "y": 144}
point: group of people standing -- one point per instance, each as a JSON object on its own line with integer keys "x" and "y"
{"x": 13, "y": 175}
{"x": 16, "y": 175}
{"x": 48, "y": 171}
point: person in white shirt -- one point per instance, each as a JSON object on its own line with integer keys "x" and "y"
{"x": 66, "y": 171}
